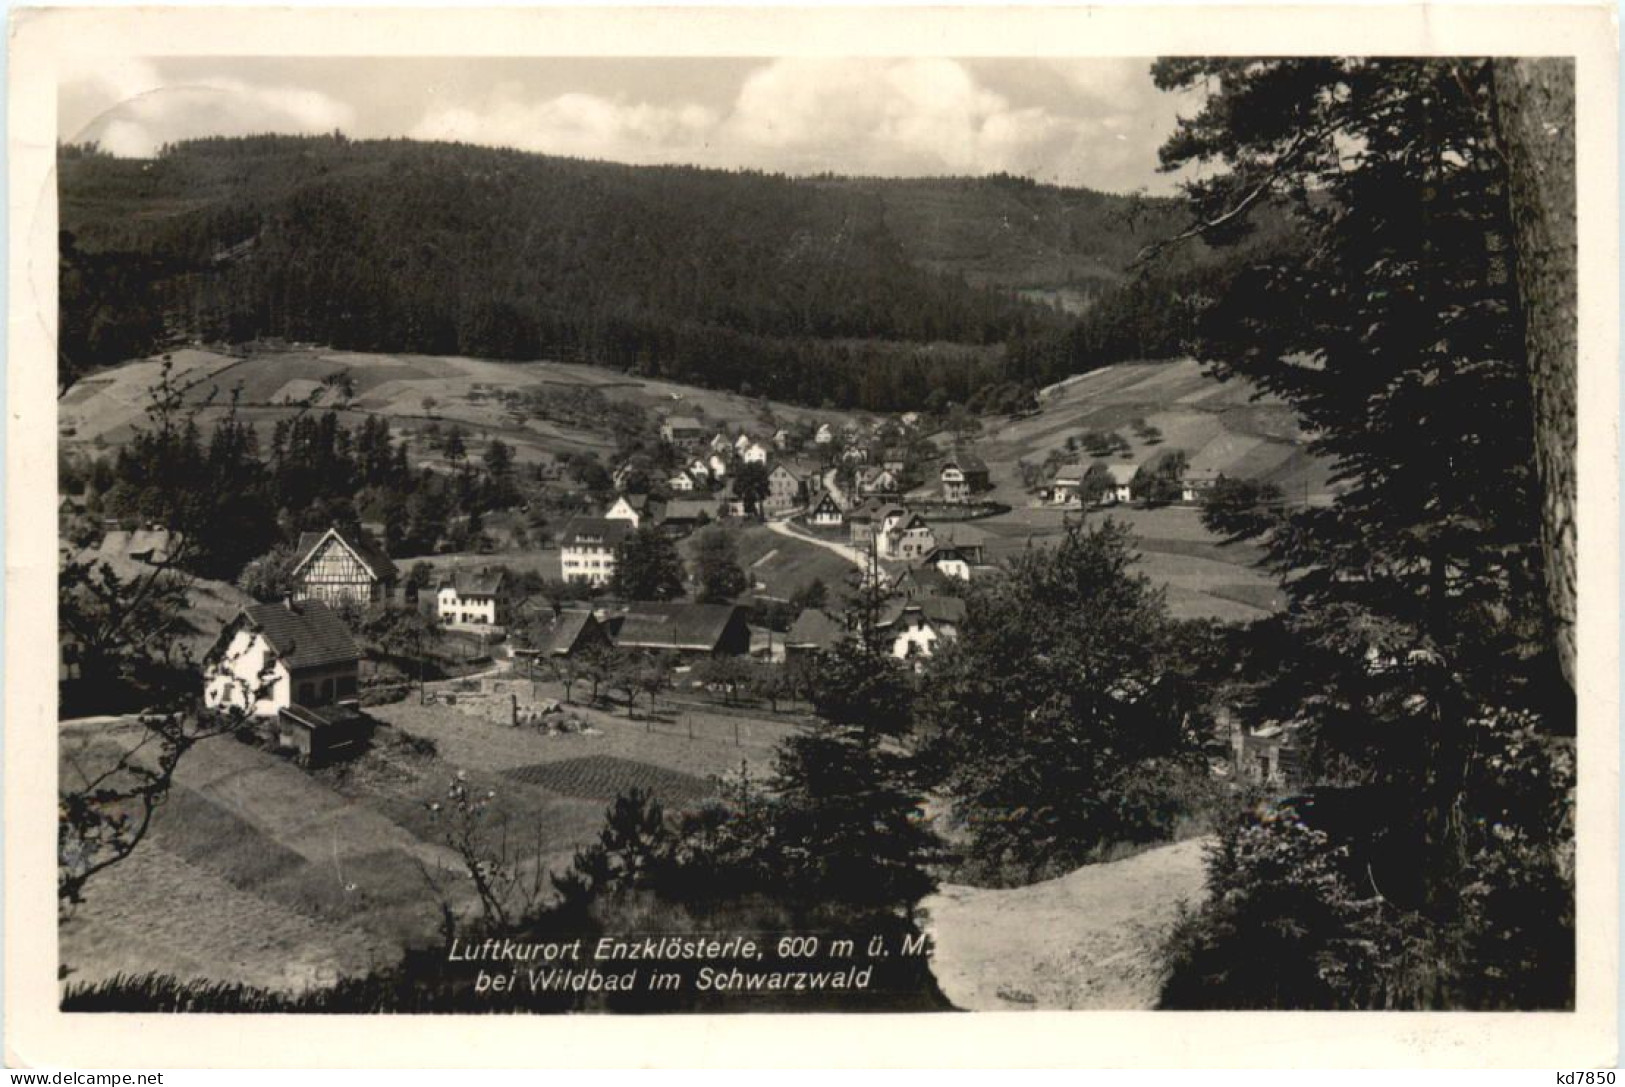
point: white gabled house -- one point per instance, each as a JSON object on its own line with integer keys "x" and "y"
{"x": 1121, "y": 489}
{"x": 472, "y": 596}
{"x": 754, "y": 453}
{"x": 1197, "y": 483}
{"x": 914, "y": 627}
{"x": 273, "y": 656}
{"x": 629, "y": 507}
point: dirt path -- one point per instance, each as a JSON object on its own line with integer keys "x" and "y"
{"x": 850, "y": 554}
{"x": 1085, "y": 941}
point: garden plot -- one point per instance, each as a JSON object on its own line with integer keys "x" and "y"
{"x": 604, "y": 777}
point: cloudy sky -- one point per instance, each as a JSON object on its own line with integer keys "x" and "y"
{"x": 1094, "y": 122}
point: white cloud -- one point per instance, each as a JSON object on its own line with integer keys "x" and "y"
{"x": 583, "y": 125}
{"x": 885, "y": 117}
{"x": 137, "y": 110}
{"x": 1094, "y": 121}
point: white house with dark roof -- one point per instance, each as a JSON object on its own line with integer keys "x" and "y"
{"x": 681, "y": 429}
{"x": 632, "y": 508}
{"x": 963, "y": 474}
{"x": 273, "y": 656}
{"x": 909, "y": 537}
{"x": 587, "y": 548}
{"x": 1197, "y": 482}
{"x": 914, "y": 627}
{"x": 1121, "y": 489}
{"x": 472, "y": 596}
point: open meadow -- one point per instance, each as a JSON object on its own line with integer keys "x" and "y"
{"x": 257, "y": 871}
{"x": 411, "y": 391}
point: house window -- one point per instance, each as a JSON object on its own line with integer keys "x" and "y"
{"x": 327, "y": 690}
{"x": 346, "y": 686}
{"x": 307, "y": 693}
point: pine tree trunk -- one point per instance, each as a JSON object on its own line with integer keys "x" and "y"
{"x": 1535, "y": 105}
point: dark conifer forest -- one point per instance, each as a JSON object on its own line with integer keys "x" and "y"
{"x": 853, "y": 292}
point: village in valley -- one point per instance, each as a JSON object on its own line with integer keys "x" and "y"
{"x": 966, "y": 591}
{"x": 354, "y": 654}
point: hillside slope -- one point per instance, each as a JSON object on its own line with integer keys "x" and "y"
{"x": 1085, "y": 941}
{"x": 845, "y": 290}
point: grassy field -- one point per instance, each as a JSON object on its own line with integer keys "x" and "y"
{"x": 410, "y": 390}
{"x": 258, "y": 871}
{"x": 779, "y": 565}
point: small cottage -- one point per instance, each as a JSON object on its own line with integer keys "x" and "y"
{"x": 681, "y": 430}
{"x": 632, "y": 508}
{"x": 1120, "y": 489}
{"x": 963, "y": 475}
{"x": 824, "y": 511}
{"x": 570, "y": 633}
{"x": 914, "y": 627}
{"x": 273, "y": 656}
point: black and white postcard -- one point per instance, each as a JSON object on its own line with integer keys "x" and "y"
{"x": 588, "y": 525}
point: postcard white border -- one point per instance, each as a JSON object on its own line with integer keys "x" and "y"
{"x": 39, "y": 1035}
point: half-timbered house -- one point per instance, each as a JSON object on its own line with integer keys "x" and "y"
{"x": 341, "y": 565}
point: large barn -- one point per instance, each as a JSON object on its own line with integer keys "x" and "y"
{"x": 685, "y": 629}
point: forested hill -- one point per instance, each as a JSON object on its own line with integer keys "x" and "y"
{"x": 850, "y": 291}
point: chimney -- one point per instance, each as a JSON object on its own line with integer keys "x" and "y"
{"x": 287, "y": 601}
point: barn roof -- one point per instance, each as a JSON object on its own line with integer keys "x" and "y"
{"x": 365, "y": 551}
{"x": 1122, "y": 473}
{"x": 676, "y": 626}
{"x": 304, "y": 634}
{"x": 815, "y": 629}
{"x": 689, "y": 509}
{"x": 317, "y": 718}
{"x": 565, "y": 631}
{"x": 924, "y": 580}
{"x": 966, "y": 461}
{"x": 683, "y": 422}
{"x": 937, "y": 609}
